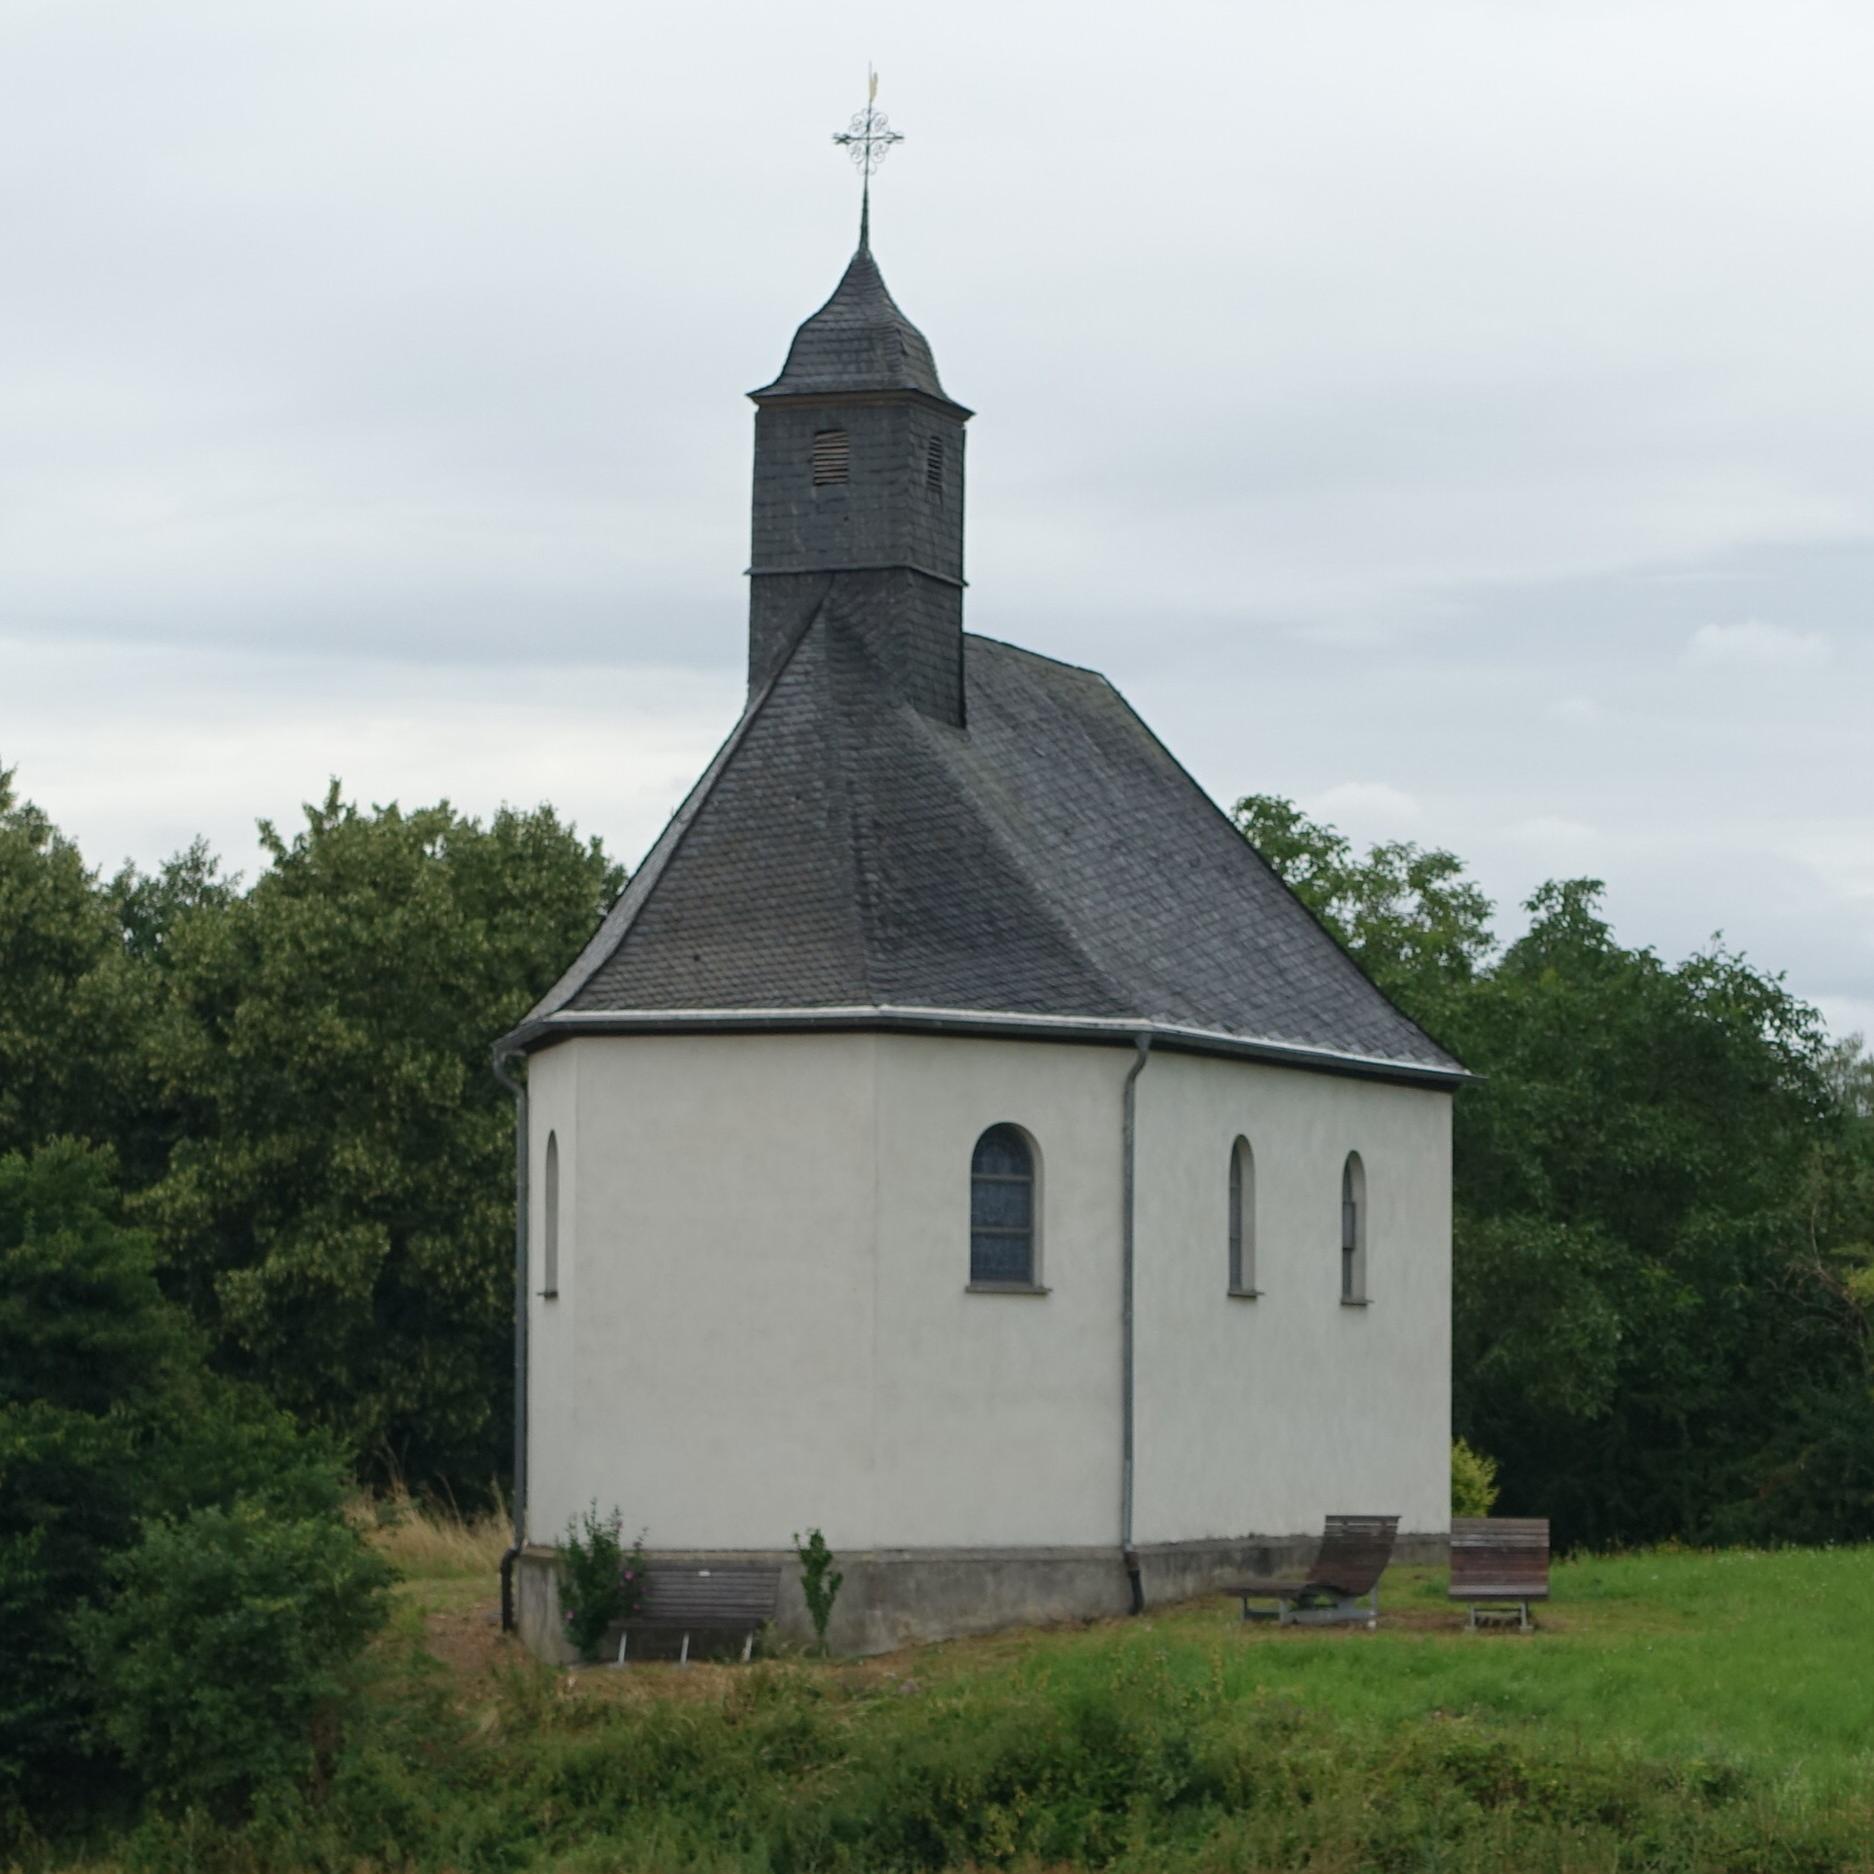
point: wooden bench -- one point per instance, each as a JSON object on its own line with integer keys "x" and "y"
{"x": 704, "y": 1600}
{"x": 1353, "y": 1555}
{"x": 1499, "y": 1563}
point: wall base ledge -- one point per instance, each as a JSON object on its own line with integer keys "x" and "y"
{"x": 895, "y": 1597}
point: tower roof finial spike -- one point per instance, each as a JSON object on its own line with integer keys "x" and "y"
{"x": 868, "y": 140}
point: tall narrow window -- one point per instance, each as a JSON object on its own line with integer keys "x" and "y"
{"x": 1002, "y": 1210}
{"x": 1353, "y": 1230}
{"x": 1242, "y": 1219}
{"x": 934, "y": 465}
{"x": 550, "y": 1216}
{"x": 832, "y": 457}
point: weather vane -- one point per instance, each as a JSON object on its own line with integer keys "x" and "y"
{"x": 868, "y": 140}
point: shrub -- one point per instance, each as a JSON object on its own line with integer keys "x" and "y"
{"x": 601, "y": 1583}
{"x": 227, "y": 1659}
{"x": 1473, "y": 1481}
{"x": 819, "y": 1581}
{"x": 89, "y": 1351}
{"x": 109, "y": 1422}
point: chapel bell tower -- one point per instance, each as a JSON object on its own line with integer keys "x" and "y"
{"x": 858, "y": 498}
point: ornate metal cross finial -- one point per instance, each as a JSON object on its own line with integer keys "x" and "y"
{"x": 868, "y": 140}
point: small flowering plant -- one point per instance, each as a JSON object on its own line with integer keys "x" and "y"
{"x": 601, "y": 1581}
{"x": 631, "y": 1580}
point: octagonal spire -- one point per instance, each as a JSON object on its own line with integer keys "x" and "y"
{"x": 858, "y": 341}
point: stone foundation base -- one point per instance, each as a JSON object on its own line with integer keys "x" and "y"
{"x": 900, "y": 1597}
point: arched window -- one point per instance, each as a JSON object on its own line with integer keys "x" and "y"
{"x": 1242, "y": 1219}
{"x": 1353, "y": 1230}
{"x": 1002, "y": 1210}
{"x": 550, "y": 1211}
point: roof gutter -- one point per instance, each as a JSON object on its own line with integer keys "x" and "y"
{"x": 1128, "y": 1185}
{"x": 543, "y": 1031}
{"x": 504, "y": 1052}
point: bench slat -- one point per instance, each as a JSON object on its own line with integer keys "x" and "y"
{"x": 704, "y": 1597}
{"x": 1503, "y": 1558}
{"x": 1354, "y": 1553}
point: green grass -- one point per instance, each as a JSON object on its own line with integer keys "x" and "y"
{"x": 1676, "y": 1711}
{"x": 1763, "y": 1661}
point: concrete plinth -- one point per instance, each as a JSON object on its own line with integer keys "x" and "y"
{"x": 901, "y": 1597}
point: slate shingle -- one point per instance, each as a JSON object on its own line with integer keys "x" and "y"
{"x": 882, "y": 832}
{"x": 857, "y": 341}
{"x": 1047, "y": 858}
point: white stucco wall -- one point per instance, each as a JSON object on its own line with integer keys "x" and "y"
{"x": 1264, "y": 1415}
{"x": 710, "y": 1367}
{"x": 764, "y": 1320}
{"x": 997, "y": 1413}
{"x": 552, "y": 1461}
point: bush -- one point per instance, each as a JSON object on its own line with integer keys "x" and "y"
{"x": 819, "y": 1581}
{"x": 227, "y": 1658}
{"x": 600, "y": 1584}
{"x": 88, "y": 1350}
{"x": 1473, "y": 1481}
{"x": 109, "y": 1423}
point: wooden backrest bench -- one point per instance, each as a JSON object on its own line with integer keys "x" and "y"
{"x": 733, "y": 1599}
{"x": 1353, "y": 1555}
{"x": 1500, "y": 1561}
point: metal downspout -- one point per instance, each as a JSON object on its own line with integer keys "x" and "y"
{"x": 519, "y": 1089}
{"x": 1127, "y": 1185}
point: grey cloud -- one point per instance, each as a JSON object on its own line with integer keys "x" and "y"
{"x": 1381, "y": 395}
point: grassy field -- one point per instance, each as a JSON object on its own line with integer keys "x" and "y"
{"x": 1682, "y": 1711}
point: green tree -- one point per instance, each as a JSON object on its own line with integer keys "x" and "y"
{"x": 227, "y": 1654}
{"x": 1662, "y": 1206}
{"x": 108, "y": 1416}
{"x": 150, "y": 905}
{"x": 82, "y": 990}
{"x": 1638, "y": 1334}
{"x": 1415, "y": 923}
{"x": 87, "y": 1348}
{"x": 339, "y": 1214}
{"x": 71, "y": 1008}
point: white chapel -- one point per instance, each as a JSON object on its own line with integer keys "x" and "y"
{"x": 956, "y": 1137}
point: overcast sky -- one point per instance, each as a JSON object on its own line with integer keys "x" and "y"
{"x": 1455, "y": 416}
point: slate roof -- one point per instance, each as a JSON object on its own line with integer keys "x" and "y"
{"x": 844, "y": 852}
{"x": 857, "y": 341}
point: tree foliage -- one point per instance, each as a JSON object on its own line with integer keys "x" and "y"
{"x": 293, "y": 1077}
{"x": 70, "y": 1007}
{"x": 339, "y": 1212}
{"x": 87, "y": 1349}
{"x": 1418, "y": 926}
{"x": 228, "y": 1652}
{"x": 109, "y": 1418}
{"x": 1664, "y": 1199}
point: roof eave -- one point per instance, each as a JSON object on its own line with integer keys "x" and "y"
{"x": 566, "y": 1024}
{"x": 863, "y": 394}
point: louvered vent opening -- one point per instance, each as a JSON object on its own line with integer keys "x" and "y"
{"x": 934, "y": 465}
{"x": 832, "y": 457}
